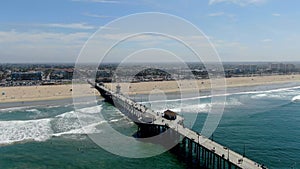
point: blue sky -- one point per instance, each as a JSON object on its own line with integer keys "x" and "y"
{"x": 241, "y": 30}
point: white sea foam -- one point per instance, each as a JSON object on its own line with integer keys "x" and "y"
{"x": 259, "y": 96}
{"x": 81, "y": 112}
{"x": 11, "y": 109}
{"x": 204, "y": 107}
{"x": 265, "y": 95}
{"x": 43, "y": 129}
{"x": 74, "y": 120}
{"x": 193, "y": 108}
{"x": 90, "y": 129}
{"x": 17, "y": 131}
{"x": 227, "y": 94}
{"x": 36, "y": 111}
{"x": 296, "y": 99}
{"x": 285, "y": 93}
{"x": 55, "y": 106}
{"x": 116, "y": 120}
{"x": 233, "y": 102}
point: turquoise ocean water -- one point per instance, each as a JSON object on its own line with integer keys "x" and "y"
{"x": 265, "y": 121}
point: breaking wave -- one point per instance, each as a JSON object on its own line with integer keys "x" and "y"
{"x": 260, "y": 93}
{"x": 15, "y": 131}
{"x": 14, "y": 109}
{"x": 18, "y": 131}
{"x": 296, "y": 99}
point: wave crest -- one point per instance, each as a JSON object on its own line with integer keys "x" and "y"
{"x": 296, "y": 99}
{"x": 15, "y": 131}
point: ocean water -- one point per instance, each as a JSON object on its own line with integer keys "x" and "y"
{"x": 265, "y": 122}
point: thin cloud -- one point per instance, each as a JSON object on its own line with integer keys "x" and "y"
{"x": 98, "y": 1}
{"x": 75, "y": 26}
{"x": 231, "y": 17}
{"x": 11, "y": 37}
{"x": 216, "y": 14}
{"x": 97, "y": 16}
{"x": 238, "y": 2}
{"x": 69, "y": 26}
{"x": 276, "y": 14}
{"x": 266, "y": 40}
{"x": 41, "y": 46}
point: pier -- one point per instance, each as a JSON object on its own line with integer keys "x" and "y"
{"x": 203, "y": 154}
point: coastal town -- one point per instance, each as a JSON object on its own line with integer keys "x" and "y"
{"x": 57, "y": 74}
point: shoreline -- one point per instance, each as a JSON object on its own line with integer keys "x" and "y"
{"x": 34, "y": 103}
{"x": 48, "y": 103}
{"x": 201, "y": 85}
{"x": 26, "y": 95}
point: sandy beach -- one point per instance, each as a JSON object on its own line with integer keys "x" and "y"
{"x": 201, "y": 85}
{"x": 56, "y": 92}
{"x": 38, "y": 93}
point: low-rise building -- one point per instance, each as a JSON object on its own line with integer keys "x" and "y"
{"x": 19, "y": 76}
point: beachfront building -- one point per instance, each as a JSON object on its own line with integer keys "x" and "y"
{"x": 19, "y": 76}
{"x": 247, "y": 68}
{"x": 59, "y": 74}
{"x": 281, "y": 67}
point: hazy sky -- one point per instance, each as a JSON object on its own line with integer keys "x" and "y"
{"x": 241, "y": 30}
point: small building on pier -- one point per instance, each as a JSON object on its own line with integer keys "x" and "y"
{"x": 170, "y": 115}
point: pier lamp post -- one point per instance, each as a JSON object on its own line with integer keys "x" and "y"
{"x": 228, "y": 154}
{"x": 244, "y": 153}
